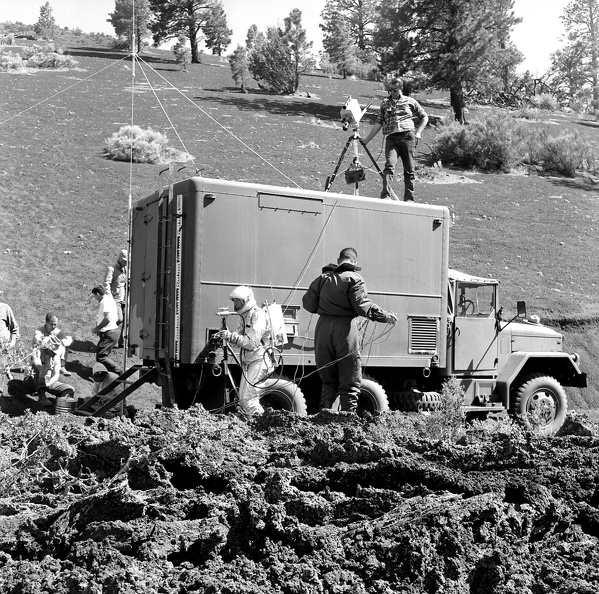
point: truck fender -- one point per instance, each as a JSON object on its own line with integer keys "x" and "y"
{"x": 562, "y": 366}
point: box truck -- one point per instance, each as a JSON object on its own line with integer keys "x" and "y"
{"x": 195, "y": 240}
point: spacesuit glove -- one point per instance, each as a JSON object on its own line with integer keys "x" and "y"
{"x": 224, "y": 335}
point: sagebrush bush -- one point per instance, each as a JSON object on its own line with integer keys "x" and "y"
{"x": 564, "y": 153}
{"x": 545, "y": 101}
{"x": 51, "y": 60}
{"x": 494, "y": 143}
{"x": 146, "y": 146}
{"x": 10, "y": 61}
{"x": 526, "y": 113}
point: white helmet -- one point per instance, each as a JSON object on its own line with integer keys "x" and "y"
{"x": 244, "y": 294}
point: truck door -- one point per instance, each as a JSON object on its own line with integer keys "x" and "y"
{"x": 474, "y": 331}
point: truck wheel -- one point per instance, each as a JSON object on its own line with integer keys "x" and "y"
{"x": 542, "y": 398}
{"x": 282, "y": 394}
{"x": 373, "y": 397}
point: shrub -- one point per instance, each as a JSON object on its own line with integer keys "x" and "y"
{"x": 494, "y": 143}
{"x": 7, "y": 39}
{"x": 51, "y": 60}
{"x": 146, "y": 146}
{"x": 447, "y": 421}
{"x": 526, "y": 113}
{"x": 545, "y": 101}
{"x": 10, "y": 61}
{"x": 182, "y": 53}
{"x": 564, "y": 154}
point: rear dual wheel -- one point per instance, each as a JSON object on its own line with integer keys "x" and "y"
{"x": 282, "y": 394}
{"x": 373, "y": 397}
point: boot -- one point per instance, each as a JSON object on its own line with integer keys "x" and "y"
{"x": 42, "y": 399}
{"x": 388, "y": 193}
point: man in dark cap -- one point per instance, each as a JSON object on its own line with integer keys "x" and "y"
{"x": 339, "y": 296}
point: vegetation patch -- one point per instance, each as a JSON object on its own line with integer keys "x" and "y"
{"x": 142, "y": 146}
{"x": 499, "y": 142}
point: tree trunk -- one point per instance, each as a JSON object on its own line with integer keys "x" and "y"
{"x": 456, "y": 94}
{"x": 193, "y": 40}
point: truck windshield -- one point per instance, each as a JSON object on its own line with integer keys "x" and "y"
{"x": 475, "y": 300}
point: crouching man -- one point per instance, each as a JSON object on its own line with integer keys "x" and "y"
{"x": 252, "y": 333}
{"x": 339, "y": 296}
{"x": 46, "y": 372}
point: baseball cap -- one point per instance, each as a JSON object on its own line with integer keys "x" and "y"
{"x": 124, "y": 255}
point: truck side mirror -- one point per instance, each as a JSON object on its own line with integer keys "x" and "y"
{"x": 521, "y": 305}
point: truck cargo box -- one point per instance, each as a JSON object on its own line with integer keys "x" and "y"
{"x": 193, "y": 243}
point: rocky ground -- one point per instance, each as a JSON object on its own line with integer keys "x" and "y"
{"x": 184, "y": 501}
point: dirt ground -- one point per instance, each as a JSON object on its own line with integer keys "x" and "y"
{"x": 179, "y": 502}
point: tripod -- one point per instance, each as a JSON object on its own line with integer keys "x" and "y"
{"x": 355, "y": 173}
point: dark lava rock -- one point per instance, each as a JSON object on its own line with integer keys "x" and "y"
{"x": 185, "y": 501}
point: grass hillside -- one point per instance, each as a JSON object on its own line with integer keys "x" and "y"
{"x": 64, "y": 205}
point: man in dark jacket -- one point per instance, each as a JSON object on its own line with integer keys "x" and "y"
{"x": 339, "y": 296}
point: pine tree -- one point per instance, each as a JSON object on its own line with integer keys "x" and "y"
{"x": 581, "y": 20}
{"x": 339, "y": 45}
{"x": 218, "y": 35}
{"x": 296, "y": 37}
{"x": 239, "y": 62}
{"x": 175, "y": 17}
{"x": 122, "y": 18}
{"x": 46, "y": 24}
{"x": 360, "y": 16}
{"x": 570, "y": 70}
{"x": 457, "y": 44}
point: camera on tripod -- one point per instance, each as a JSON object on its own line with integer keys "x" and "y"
{"x": 351, "y": 114}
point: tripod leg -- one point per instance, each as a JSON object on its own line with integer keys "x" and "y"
{"x": 371, "y": 158}
{"x": 331, "y": 179}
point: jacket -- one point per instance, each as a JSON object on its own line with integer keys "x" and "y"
{"x": 340, "y": 291}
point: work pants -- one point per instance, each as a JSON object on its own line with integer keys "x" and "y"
{"x": 107, "y": 342}
{"x": 33, "y": 383}
{"x": 122, "y": 320}
{"x": 249, "y": 395}
{"x": 399, "y": 146}
{"x": 338, "y": 361}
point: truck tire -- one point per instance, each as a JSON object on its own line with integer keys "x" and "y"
{"x": 373, "y": 397}
{"x": 542, "y": 396}
{"x": 282, "y": 394}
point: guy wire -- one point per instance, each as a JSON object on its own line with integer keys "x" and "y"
{"x": 219, "y": 124}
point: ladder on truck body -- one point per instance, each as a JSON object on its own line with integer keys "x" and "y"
{"x": 168, "y": 298}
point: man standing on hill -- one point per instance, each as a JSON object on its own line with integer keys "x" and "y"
{"x": 115, "y": 283}
{"x": 339, "y": 296}
{"x": 395, "y": 118}
{"x": 106, "y": 328}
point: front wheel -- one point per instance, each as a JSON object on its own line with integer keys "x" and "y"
{"x": 542, "y": 402}
{"x": 282, "y": 394}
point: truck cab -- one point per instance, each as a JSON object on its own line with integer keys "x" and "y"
{"x": 515, "y": 365}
